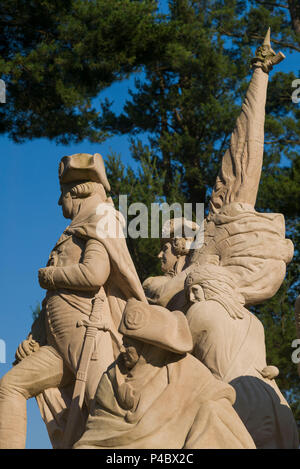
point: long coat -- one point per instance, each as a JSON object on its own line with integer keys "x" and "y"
{"x": 82, "y": 261}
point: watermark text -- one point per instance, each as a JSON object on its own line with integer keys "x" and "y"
{"x": 2, "y": 351}
{"x": 296, "y": 92}
{"x": 137, "y": 220}
{"x": 296, "y": 353}
{"x": 2, "y": 92}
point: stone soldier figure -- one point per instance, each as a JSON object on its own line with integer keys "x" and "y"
{"x": 157, "y": 395}
{"x": 87, "y": 257}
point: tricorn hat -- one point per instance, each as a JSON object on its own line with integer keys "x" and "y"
{"x": 157, "y": 326}
{"x": 83, "y": 167}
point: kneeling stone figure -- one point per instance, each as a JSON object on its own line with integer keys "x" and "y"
{"x": 156, "y": 395}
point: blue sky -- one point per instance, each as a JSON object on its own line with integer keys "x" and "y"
{"x": 32, "y": 222}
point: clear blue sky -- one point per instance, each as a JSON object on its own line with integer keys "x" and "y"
{"x": 31, "y": 224}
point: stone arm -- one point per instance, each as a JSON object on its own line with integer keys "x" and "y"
{"x": 88, "y": 275}
{"x": 241, "y": 165}
{"x": 240, "y": 172}
{"x": 161, "y": 290}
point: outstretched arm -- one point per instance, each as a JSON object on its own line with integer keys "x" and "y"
{"x": 241, "y": 165}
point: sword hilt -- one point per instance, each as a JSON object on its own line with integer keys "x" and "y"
{"x": 98, "y": 302}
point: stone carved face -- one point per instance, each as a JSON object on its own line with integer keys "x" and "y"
{"x": 67, "y": 202}
{"x": 168, "y": 258}
{"x": 196, "y": 293}
{"x": 130, "y": 352}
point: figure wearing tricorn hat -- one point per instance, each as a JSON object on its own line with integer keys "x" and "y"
{"x": 81, "y": 265}
{"x": 156, "y": 395}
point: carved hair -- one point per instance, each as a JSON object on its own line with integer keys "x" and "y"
{"x": 85, "y": 189}
{"x": 180, "y": 232}
{"x": 219, "y": 285}
{"x": 181, "y": 246}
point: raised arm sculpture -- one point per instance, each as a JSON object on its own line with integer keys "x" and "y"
{"x": 250, "y": 244}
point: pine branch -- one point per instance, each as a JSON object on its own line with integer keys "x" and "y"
{"x": 261, "y": 38}
{"x": 283, "y": 141}
{"x": 273, "y": 4}
{"x": 294, "y": 8}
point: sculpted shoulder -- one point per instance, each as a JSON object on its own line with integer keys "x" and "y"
{"x": 205, "y": 311}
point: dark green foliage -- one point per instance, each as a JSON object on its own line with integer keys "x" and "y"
{"x": 58, "y": 55}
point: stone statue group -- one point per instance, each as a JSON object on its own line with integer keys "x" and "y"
{"x": 178, "y": 362}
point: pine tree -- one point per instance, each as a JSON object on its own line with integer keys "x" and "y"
{"x": 56, "y": 56}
